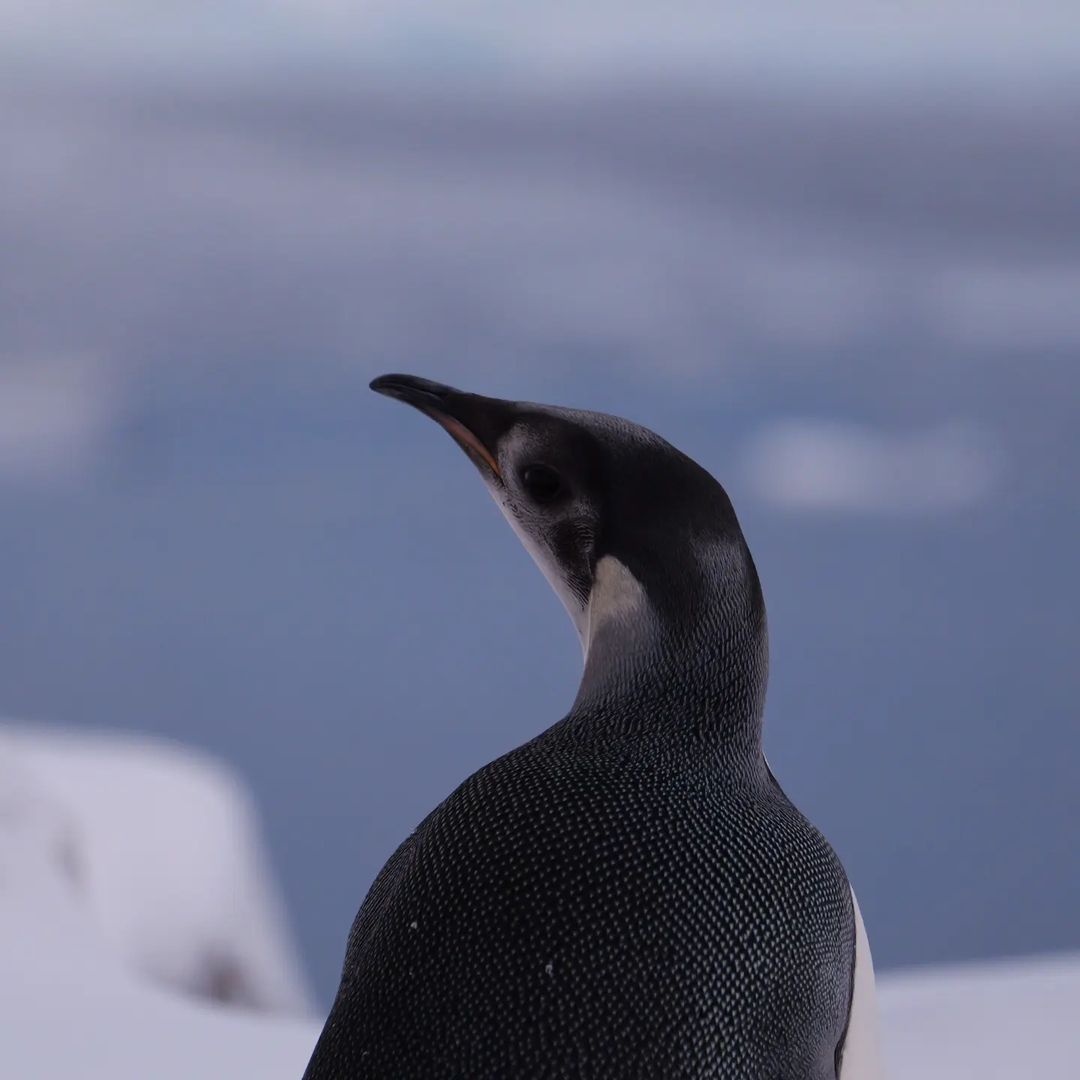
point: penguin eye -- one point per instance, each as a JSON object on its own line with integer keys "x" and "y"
{"x": 542, "y": 483}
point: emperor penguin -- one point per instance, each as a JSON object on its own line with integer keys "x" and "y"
{"x": 630, "y": 895}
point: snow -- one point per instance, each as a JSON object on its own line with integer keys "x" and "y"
{"x": 70, "y": 1008}
{"x": 163, "y": 846}
{"x": 991, "y": 1021}
{"x": 88, "y": 893}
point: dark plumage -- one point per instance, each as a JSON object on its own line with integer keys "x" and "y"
{"x": 630, "y": 894}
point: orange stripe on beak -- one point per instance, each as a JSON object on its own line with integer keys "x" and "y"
{"x": 466, "y": 440}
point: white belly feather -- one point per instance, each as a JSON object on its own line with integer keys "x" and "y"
{"x": 862, "y": 1056}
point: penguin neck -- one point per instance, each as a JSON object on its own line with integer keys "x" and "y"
{"x": 695, "y": 671}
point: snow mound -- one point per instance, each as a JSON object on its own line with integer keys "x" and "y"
{"x": 989, "y": 1021}
{"x": 70, "y": 1007}
{"x": 161, "y": 846}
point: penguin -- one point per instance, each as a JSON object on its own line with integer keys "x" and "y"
{"x": 629, "y": 895}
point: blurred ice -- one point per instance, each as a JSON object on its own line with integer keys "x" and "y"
{"x": 695, "y": 231}
{"x": 70, "y": 1008}
{"x": 160, "y": 847}
{"x": 836, "y": 466}
{"x": 982, "y": 1021}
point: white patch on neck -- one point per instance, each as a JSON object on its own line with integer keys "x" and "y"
{"x": 617, "y": 597}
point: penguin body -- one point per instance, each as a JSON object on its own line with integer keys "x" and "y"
{"x": 630, "y": 894}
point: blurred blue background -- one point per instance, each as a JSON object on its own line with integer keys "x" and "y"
{"x": 833, "y": 254}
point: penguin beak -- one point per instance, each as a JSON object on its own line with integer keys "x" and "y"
{"x": 449, "y": 408}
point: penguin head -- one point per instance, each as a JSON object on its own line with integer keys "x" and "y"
{"x": 640, "y": 543}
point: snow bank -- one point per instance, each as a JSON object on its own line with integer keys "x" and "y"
{"x": 163, "y": 847}
{"x": 70, "y": 1008}
{"x": 995, "y": 1021}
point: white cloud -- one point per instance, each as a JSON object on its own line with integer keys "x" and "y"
{"x": 830, "y": 465}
